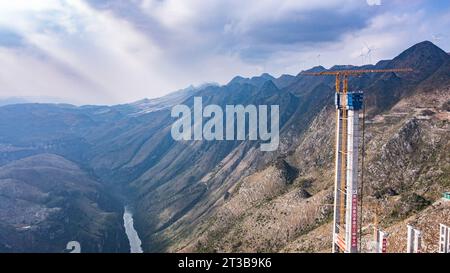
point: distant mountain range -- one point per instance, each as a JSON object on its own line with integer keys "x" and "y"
{"x": 28, "y": 99}
{"x": 222, "y": 195}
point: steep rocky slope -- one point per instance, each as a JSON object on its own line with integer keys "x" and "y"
{"x": 47, "y": 201}
{"x": 229, "y": 195}
{"x": 407, "y": 168}
{"x": 427, "y": 221}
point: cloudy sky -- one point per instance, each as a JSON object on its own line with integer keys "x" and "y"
{"x": 114, "y": 51}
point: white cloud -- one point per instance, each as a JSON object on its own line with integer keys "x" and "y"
{"x": 99, "y": 48}
{"x": 113, "y": 51}
{"x": 374, "y": 2}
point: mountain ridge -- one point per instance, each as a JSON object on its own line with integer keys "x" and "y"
{"x": 181, "y": 188}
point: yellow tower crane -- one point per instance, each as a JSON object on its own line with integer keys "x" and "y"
{"x": 348, "y": 104}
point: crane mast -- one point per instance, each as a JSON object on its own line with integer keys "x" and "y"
{"x": 348, "y": 105}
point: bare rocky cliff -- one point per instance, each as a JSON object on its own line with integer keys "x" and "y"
{"x": 231, "y": 196}
{"x": 406, "y": 170}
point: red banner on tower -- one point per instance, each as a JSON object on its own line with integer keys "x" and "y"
{"x": 354, "y": 220}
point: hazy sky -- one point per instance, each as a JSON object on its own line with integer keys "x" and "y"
{"x": 113, "y": 51}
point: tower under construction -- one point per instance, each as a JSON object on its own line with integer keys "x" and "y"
{"x": 346, "y": 192}
{"x": 345, "y": 226}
